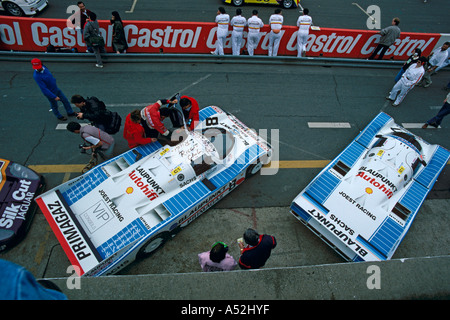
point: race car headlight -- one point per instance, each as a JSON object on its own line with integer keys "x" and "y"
{"x": 22, "y": 172}
{"x": 5, "y": 234}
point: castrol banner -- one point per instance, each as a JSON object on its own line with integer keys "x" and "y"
{"x": 35, "y": 34}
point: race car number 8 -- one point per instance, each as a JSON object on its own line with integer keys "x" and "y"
{"x": 212, "y": 121}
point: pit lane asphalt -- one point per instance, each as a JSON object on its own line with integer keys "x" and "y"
{"x": 254, "y": 93}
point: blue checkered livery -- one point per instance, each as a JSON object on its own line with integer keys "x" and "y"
{"x": 90, "y": 180}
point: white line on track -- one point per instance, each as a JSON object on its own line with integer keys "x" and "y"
{"x": 355, "y": 4}
{"x": 193, "y": 83}
{"x": 414, "y": 125}
{"x": 132, "y": 7}
{"x": 340, "y": 125}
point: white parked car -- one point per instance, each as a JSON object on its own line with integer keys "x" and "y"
{"x": 364, "y": 201}
{"x": 126, "y": 207}
{"x": 21, "y": 8}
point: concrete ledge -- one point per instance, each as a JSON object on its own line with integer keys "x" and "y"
{"x": 415, "y": 278}
{"x": 199, "y": 58}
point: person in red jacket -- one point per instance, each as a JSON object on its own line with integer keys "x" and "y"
{"x": 190, "y": 111}
{"x": 134, "y": 132}
{"x": 152, "y": 117}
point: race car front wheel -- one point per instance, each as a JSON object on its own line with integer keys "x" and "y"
{"x": 152, "y": 245}
{"x": 13, "y": 9}
{"x": 253, "y": 169}
{"x": 238, "y": 3}
{"x": 287, "y": 4}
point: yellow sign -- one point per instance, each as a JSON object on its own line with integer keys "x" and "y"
{"x": 176, "y": 170}
{"x": 164, "y": 152}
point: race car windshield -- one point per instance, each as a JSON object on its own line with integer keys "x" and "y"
{"x": 222, "y": 140}
{"x": 408, "y": 138}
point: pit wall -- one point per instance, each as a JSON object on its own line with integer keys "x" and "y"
{"x": 36, "y": 34}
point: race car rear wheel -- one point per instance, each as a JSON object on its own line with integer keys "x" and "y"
{"x": 287, "y": 4}
{"x": 238, "y": 3}
{"x": 253, "y": 169}
{"x": 152, "y": 245}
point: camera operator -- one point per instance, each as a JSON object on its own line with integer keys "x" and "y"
{"x": 97, "y": 140}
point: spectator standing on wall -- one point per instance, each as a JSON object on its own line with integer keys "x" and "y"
{"x": 94, "y": 39}
{"x": 276, "y": 23}
{"x": 388, "y": 37}
{"x": 119, "y": 42}
{"x": 304, "y": 22}
{"x": 238, "y": 22}
{"x": 81, "y": 15}
{"x": 222, "y": 20}
{"x": 254, "y": 25}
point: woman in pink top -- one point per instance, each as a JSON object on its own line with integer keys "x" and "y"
{"x": 217, "y": 259}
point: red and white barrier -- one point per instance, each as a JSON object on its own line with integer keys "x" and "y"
{"x": 35, "y": 34}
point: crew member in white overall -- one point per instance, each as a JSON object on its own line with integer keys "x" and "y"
{"x": 276, "y": 23}
{"x": 304, "y": 22}
{"x": 409, "y": 79}
{"x": 222, "y": 20}
{"x": 254, "y": 25}
{"x": 238, "y": 22}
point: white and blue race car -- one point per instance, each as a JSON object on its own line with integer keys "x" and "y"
{"x": 364, "y": 201}
{"x": 125, "y": 209}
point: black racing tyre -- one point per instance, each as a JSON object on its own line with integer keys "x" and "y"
{"x": 152, "y": 245}
{"x": 287, "y": 4}
{"x": 238, "y": 3}
{"x": 13, "y": 9}
{"x": 253, "y": 169}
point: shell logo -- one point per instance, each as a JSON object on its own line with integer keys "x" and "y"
{"x": 369, "y": 190}
{"x": 129, "y": 190}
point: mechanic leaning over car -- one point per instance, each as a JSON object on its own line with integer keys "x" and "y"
{"x": 152, "y": 117}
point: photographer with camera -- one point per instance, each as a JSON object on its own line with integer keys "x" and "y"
{"x": 94, "y": 110}
{"x": 98, "y": 141}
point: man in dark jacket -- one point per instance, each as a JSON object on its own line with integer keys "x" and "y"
{"x": 90, "y": 32}
{"x": 256, "y": 253}
{"x": 93, "y": 110}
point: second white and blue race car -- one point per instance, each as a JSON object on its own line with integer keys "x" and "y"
{"x": 126, "y": 208}
{"x": 364, "y": 201}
